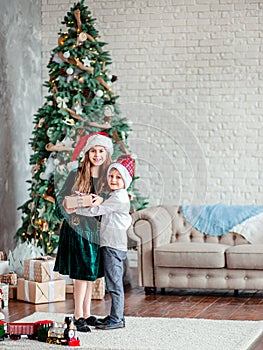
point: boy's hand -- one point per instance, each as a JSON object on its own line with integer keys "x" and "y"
{"x": 96, "y": 200}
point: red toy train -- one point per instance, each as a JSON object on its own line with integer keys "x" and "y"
{"x": 46, "y": 331}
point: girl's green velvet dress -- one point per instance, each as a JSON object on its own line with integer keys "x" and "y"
{"x": 78, "y": 252}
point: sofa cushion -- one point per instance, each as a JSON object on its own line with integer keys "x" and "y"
{"x": 196, "y": 255}
{"x": 245, "y": 256}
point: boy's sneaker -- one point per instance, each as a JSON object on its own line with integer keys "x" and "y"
{"x": 102, "y": 320}
{"x": 81, "y": 325}
{"x": 91, "y": 321}
{"x": 111, "y": 325}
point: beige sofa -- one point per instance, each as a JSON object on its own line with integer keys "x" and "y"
{"x": 173, "y": 254}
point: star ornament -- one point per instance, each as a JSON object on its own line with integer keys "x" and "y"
{"x": 86, "y": 62}
{"x": 78, "y": 109}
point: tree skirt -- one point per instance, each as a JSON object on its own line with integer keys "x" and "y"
{"x": 156, "y": 333}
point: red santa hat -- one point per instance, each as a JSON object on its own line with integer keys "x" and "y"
{"x": 125, "y": 166}
{"x": 86, "y": 142}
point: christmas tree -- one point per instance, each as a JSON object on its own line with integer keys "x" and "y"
{"x": 80, "y": 101}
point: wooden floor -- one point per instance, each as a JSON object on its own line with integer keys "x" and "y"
{"x": 220, "y": 305}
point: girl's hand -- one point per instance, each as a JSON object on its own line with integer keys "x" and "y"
{"x": 96, "y": 200}
{"x": 68, "y": 210}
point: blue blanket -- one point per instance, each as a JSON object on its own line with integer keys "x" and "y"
{"x": 218, "y": 219}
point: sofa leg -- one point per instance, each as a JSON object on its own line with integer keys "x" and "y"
{"x": 162, "y": 290}
{"x": 149, "y": 290}
{"x": 235, "y": 292}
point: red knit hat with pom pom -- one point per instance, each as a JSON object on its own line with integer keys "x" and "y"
{"x": 88, "y": 141}
{"x": 125, "y": 165}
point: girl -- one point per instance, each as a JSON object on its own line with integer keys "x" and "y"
{"x": 78, "y": 252}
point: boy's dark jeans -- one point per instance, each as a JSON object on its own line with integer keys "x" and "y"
{"x": 113, "y": 270}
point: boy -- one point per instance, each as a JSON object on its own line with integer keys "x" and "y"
{"x": 113, "y": 236}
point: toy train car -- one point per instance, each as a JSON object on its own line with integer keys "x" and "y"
{"x": 16, "y": 330}
{"x": 45, "y": 331}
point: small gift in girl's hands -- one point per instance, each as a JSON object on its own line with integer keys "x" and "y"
{"x": 73, "y": 200}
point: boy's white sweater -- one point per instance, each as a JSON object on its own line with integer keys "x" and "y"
{"x": 115, "y": 219}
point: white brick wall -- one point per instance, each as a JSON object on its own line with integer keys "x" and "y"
{"x": 190, "y": 79}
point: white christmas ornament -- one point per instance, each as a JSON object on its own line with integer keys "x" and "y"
{"x": 70, "y": 71}
{"x": 99, "y": 93}
{"x": 66, "y": 54}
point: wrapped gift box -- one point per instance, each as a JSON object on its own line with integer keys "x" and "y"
{"x": 40, "y": 293}
{"x": 9, "y": 278}
{"x": 12, "y": 292}
{"x": 98, "y": 289}
{"x": 40, "y": 269}
{"x": 72, "y": 201}
{"x": 4, "y": 288}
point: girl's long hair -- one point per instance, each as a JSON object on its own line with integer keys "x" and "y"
{"x": 83, "y": 182}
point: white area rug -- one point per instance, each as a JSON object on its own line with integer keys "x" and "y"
{"x": 156, "y": 333}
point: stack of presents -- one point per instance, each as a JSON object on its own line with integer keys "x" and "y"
{"x": 40, "y": 284}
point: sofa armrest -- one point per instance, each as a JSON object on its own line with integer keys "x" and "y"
{"x": 151, "y": 227}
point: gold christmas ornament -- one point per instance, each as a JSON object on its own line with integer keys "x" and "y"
{"x": 61, "y": 40}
